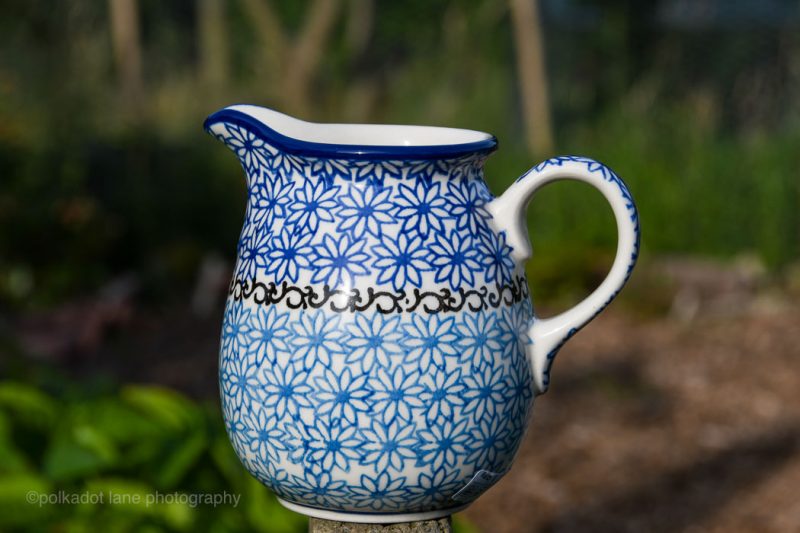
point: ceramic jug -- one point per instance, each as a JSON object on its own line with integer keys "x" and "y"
{"x": 380, "y": 354}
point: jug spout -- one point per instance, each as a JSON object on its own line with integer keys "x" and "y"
{"x": 257, "y": 134}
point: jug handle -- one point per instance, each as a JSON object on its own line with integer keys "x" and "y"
{"x": 547, "y": 335}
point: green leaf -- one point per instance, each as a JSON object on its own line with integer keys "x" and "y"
{"x": 266, "y": 514}
{"x": 68, "y": 459}
{"x": 167, "y": 407}
{"x": 11, "y": 459}
{"x": 23, "y": 499}
{"x": 29, "y": 403}
{"x": 181, "y": 460}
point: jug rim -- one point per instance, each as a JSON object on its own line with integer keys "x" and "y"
{"x": 315, "y": 143}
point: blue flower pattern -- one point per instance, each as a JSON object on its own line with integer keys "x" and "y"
{"x": 366, "y": 410}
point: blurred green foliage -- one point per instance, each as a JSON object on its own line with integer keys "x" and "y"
{"x": 141, "y": 440}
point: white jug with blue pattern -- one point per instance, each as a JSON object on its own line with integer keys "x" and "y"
{"x": 380, "y": 354}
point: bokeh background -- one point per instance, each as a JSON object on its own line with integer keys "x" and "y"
{"x": 677, "y": 410}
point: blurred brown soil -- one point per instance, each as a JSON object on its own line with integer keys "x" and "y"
{"x": 662, "y": 425}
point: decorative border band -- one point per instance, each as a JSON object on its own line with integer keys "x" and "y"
{"x": 385, "y": 302}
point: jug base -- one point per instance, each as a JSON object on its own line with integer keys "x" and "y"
{"x": 369, "y": 518}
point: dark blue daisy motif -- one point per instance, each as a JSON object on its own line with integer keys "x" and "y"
{"x": 479, "y": 339}
{"x": 429, "y": 340}
{"x": 340, "y": 395}
{"x": 329, "y": 169}
{"x": 296, "y": 439}
{"x": 285, "y": 390}
{"x": 251, "y": 150}
{"x": 400, "y": 261}
{"x": 315, "y": 202}
{"x": 495, "y": 255}
{"x": 434, "y": 487}
{"x": 485, "y": 392}
{"x": 319, "y": 489}
{"x": 455, "y": 259}
{"x": 388, "y": 446}
{"x": 333, "y": 444}
{"x": 426, "y": 170}
{"x": 268, "y": 334}
{"x": 373, "y": 341}
{"x": 443, "y": 444}
{"x": 489, "y": 444}
{"x": 339, "y": 262}
{"x": 249, "y": 249}
{"x": 317, "y": 338}
{"x": 380, "y": 492}
{"x": 288, "y": 254}
{"x": 268, "y": 199}
{"x": 375, "y": 172}
{"x": 286, "y": 163}
{"x": 468, "y": 205}
{"x": 396, "y": 394}
{"x": 422, "y": 208}
{"x": 364, "y": 210}
{"x": 441, "y": 395}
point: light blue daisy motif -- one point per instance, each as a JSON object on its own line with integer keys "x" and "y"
{"x": 434, "y": 487}
{"x": 234, "y": 425}
{"x": 251, "y": 150}
{"x": 379, "y": 492}
{"x": 339, "y": 262}
{"x": 443, "y": 444}
{"x": 400, "y": 261}
{"x": 519, "y": 387}
{"x": 268, "y": 334}
{"x": 268, "y": 200}
{"x": 319, "y": 488}
{"x": 235, "y": 328}
{"x": 264, "y": 437}
{"x": 468, "y": 206}
{"x": 249, "y": 248}
{"x": 429, "y": 340}
{"x": 489, "y": 444}
{"x": 388, "y": 445}
{"x": 317, "y": 338}
{"x": 373, "y": 340}
{"x": 239, "y": 381}
{"x": 515, "y": 323}
{"x": 315, "y": 202}
{"x": 478, "y": 338}
{"x": 441, "y": 394}
{"x": 288, "y": 255}
{"x": 285, "y": 390}
{"x": 422, "y": 207}
{"x": 495, "y": 255}
{"x": 485, "y": 392}
{"x": 364, "y": 210}
{"x": 455, "y": 259}
{"x": 396, "y": 394}
{"x": 333, "y": 444}
{"x": 296, "y": 439}
{"x": 340, "y": 395}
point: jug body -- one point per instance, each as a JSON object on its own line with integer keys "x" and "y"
{"x": 378, "y": 359}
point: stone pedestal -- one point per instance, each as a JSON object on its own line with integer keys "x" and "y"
{"x": 441, "y": 525}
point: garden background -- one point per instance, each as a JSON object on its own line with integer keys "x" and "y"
{"x": 677, "y": 409}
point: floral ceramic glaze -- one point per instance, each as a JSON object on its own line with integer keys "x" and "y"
{"x": 380, "y": 354}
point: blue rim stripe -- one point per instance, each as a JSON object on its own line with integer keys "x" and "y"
{"x": 347, "y": 151}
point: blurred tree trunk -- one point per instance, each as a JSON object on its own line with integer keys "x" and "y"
{"x": 127, "y": 50}
{"x": 532, "y": 73}
{"x": 213, "y": 45}
{"x": 293, "y": 63}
